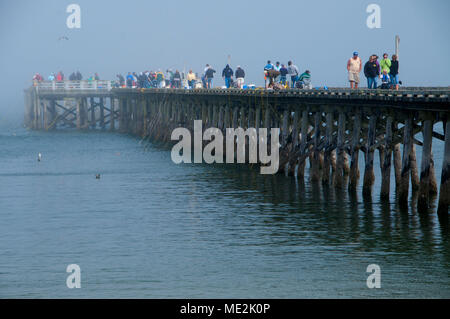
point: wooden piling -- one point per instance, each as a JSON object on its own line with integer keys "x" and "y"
{"x": 315, "y": 167}
{"x": 406, "y": 163}
{"x": 294, "y": 145}
{"x": 444, "y": 193}
{"x": 369, "y": 176}
{"x": 303, "y": 144}
{"x": 424, "y": 188}
{"x": 354, "y": 165}
{"x": 415, "y": 182}
{"x": 386, "y": 161}
{"x": 79, "y": 123}
{"x": 339, "y": 176}
{"x": 112, "y": 116}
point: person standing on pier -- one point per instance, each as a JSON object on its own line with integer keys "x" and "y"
{"x": 293, "y": 72}
{"x": 129, "y": 80}
{"x": 209, "y": 74}
{"x": 394, "y": 72}
{"x": 269, "y": 66}
{"x": 277, "y": 67}
{"x": 177, "y": 79}
{"x": 283, "y": 73}
{"x": 160, "y": 79}
{"x": 385, "y": 64}
{"x": 240, "y": 75}
{"x": 227, "y": 74}
{"x": 354, "y": 66}
{"x": 371, "y": 71}
{"x": 121, "y": 80}
{"x": 191, "y": 79}
{"x": 59, "y": 76}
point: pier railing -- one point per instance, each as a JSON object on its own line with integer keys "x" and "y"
{"x": 104, "y": 85}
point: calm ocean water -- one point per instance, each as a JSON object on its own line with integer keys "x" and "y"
{"x": 152, "y": 229}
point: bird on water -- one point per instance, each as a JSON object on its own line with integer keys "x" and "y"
{"x": 39, "y": 157}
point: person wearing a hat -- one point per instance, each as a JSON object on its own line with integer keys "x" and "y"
{"x": 354, "y": 66}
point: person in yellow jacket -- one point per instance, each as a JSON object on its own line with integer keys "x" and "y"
{"x": 385, "y": 64}
{"x": 191, "y": 79}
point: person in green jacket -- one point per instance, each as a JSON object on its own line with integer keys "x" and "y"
{"x": 385, "y": 64}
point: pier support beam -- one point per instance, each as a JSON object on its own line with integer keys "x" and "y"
{"x": 386, "y": 161}
{"x": 354, "y": 164}
{"x": 444, "y": 193}
{"x": 315, "y": 167}
{"x": 102, "y": 113}
{"x": 369, "y": 176}
{"x": 112, "y": 121}
{"x": 303, "y": 144}
{"x": 339, "y": 176}
{"x": 406, "y": 164}
{"x": 424, "y": 189}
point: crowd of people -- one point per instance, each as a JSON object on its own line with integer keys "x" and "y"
{"x": 59, "y": 77}
{"x": 276, "y": 76}
{"x": 177, "y": 79}
{"x": 386, "y": 69}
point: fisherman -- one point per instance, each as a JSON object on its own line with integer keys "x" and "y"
{"x": 79, "y": 76}
{"x": 51, "y": 77}
{"x": 227, "y": 74}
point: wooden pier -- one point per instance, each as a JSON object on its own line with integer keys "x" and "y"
{"x": 330, "y": 128}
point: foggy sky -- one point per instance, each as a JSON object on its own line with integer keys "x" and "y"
{"x": 121, "y": 36}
